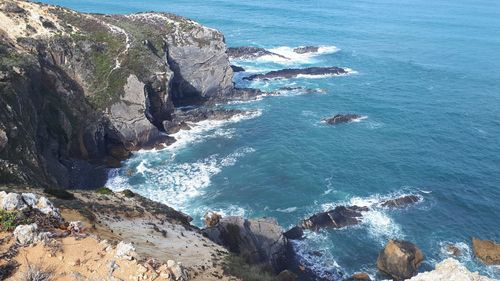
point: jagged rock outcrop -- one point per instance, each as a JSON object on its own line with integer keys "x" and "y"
{"x": 487, "y": 251}
{"x": 306, "y": 49}
{"x": 341, "y": 118}
{"x": 250, "y": 53}
{"x": 360, "y": 276}
{"x": 339, "y": 217}
{"x": 450, "y": 269}
{"x": 259, "y": 241}
{"x": 399, "y": 259}
{"x": 342, "y": 216}
{"x": 79, "y": 92}
{"x": 295, "y": 72}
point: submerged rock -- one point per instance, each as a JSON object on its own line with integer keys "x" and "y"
{"x": 487, "y": 251}
{"x": 401, "y": 202}
{"x": 260, "y": 241}
{"x": 339, "y": 217}
{"x": 342, "y": 118}
{"x": 360, "y": 276}
{"x": 250, "y": 53}
{"x": 400, "y": 259}
{"x": 294, "y": 72}
{"x": 306, "y": 49}
{"x": 237, "y": 68}
{"x": 449, "y": 269}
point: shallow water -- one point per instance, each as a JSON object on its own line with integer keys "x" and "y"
{"x": 425, "y": 76}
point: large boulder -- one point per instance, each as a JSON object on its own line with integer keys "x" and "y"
{"x": 400, "y": 259}
{"x": 487, "y": 251}
{"x": 360, "y": 276}
{"x": 259, "y": 241}
{"x": 339, "y": 217}
{"x": 26, "y": 234}
{"x": 11, "y": 201}
{"x": 211, "y": 219}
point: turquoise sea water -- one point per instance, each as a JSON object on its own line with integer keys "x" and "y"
{"x": 426, "y": 77}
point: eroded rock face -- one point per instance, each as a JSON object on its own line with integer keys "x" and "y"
{"x": 342, "y": 118}
{"x": 295, "y": 72}
{"x": 84, "y": 102}
{"x": 339, "y": 217}
{"x": 3, "y": 140}
{"x": 258, "y": 240}
{"x": 400, "y": 259}
{"x": 487, "y": 251}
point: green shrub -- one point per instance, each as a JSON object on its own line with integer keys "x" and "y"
{"x": 10, "y": 219}
{"x": 104, "y": 191}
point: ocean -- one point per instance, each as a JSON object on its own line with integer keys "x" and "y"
{"x": 424, "y": 76}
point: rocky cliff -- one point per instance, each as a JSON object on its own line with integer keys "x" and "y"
{"x": 78, "y": 91}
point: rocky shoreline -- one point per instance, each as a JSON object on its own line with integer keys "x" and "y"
{"x": 80, "y": 93}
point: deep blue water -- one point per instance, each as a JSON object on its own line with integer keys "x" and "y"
{"x": 426, "y": 76}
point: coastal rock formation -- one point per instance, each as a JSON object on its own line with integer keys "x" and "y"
{"x": 342, "y": 216}
{"x": 250, "y": 53}
{"x": 260, "y": 241}
{"x": 295, "y": 233}
{"x": 81, "y": 91}
{"x": 487, "y": 251}
{"x": 342, "y": 118}
{"x": 295, "y": 72}
{"x": 306, "y": 49}
{"x": 399, "y": 259}
{"x": 449, "y": 269}
{"x": 339, "y": 217}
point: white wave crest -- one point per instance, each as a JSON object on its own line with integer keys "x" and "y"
{"x": 293, "y": 57}
{"x": 208, "y": 129}
{"x": 287, "y": 210}
{"x": 175, "y": 183}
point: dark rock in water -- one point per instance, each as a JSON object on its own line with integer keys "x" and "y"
{"x": 360, "y": 276}
{"x": 294, "y": 72}
{"x": 339, "y": 217}
{"x": 487, "y": 251}
{"x": 342, "y": 118}
{"x": 295, "y": 233}
{"x": 400, "y": 259}
{"x": 453, "y": 250}
{"x": 250, "y": 53}
{"x": 237, "y": 68}
{"x": 174, "y": 127}
{"x": 401, "y": 201}
{"x": 260, "y": 241}
{"x": 306, "y": 49}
